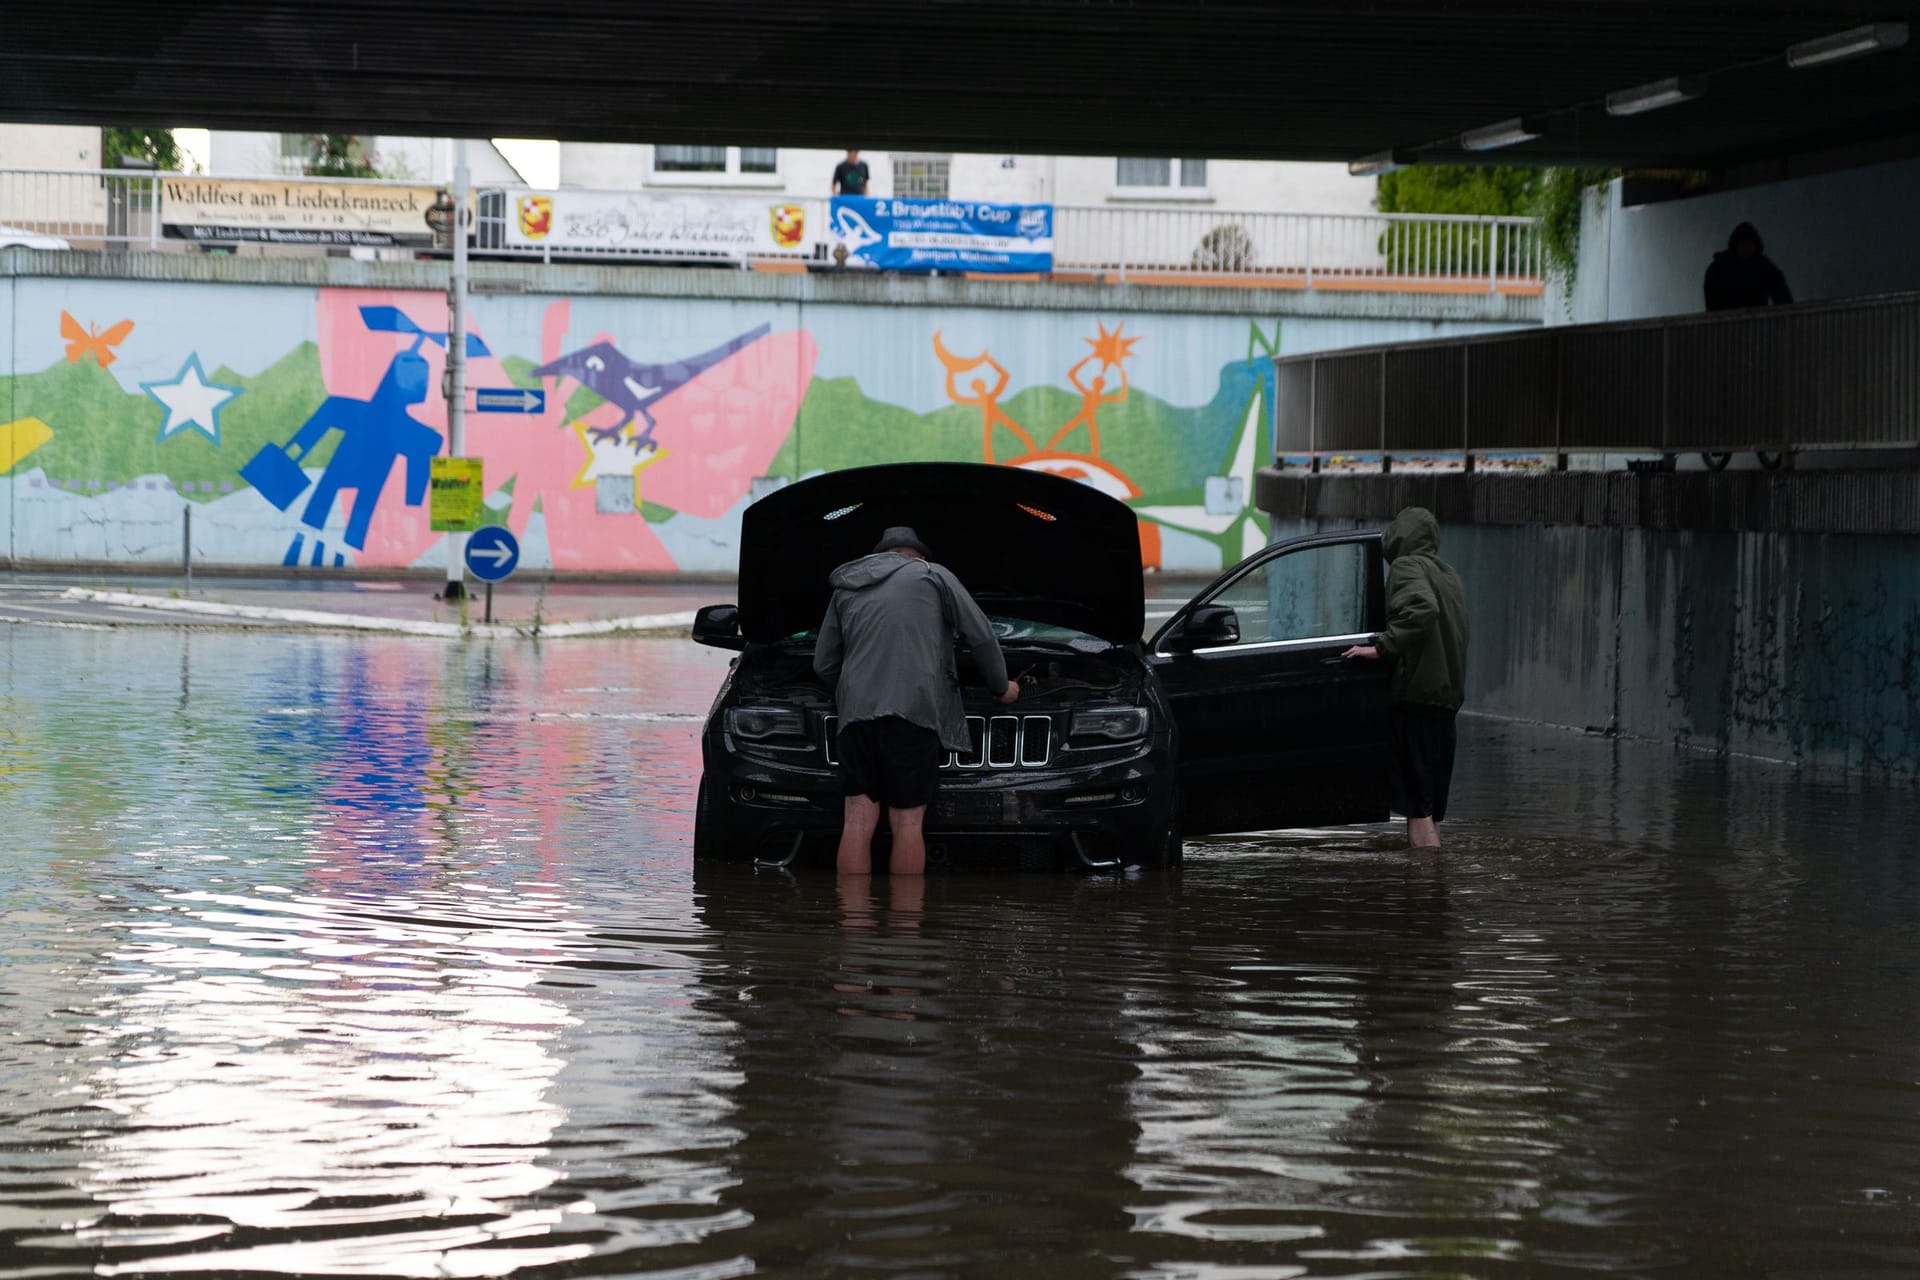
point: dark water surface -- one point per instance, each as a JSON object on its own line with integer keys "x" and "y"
{"x": 356, "y": 957}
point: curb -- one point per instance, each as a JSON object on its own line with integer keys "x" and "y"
{"x": 636, "y": 624}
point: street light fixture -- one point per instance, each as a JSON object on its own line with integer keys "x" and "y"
{"x": 1381, "y": 162}
{"x": 1653, "y": 96}
{"x": 1505, "y": 134}
{"x": 1875, "y": 37}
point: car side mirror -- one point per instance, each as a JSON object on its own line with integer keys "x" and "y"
{"x": 718, "y": 625}
{"x": 1206, "y": 627}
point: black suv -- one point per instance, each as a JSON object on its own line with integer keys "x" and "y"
{"x": 1238, "y": 715}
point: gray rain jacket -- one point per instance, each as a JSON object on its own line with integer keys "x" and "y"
{"x": 888, "y": 640}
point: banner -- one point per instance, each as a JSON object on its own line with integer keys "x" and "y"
{"x": 959, "y": 235}
{"x": 655, "y": 222}
{"x": 323, "y": 213}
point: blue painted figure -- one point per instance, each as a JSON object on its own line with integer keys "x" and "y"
{"x": 374, "y": 434}
{"x": 604, "y": 370}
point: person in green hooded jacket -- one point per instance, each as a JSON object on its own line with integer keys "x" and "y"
{"x": 1426, "y": 640}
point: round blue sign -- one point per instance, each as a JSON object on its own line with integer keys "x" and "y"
{"x": 493, "y": 553}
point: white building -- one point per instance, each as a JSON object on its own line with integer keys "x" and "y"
{"x": 429, "y": 160}
{"x": 49, "y": 146}
{"x": 1251, "y": 185}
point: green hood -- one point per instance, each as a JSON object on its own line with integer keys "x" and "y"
{"x": 1414, "y": 532}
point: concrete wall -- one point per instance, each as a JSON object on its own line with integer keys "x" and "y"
{"x": 1794, "y": 646}
{"x": 130, "y": 387}
{"x": 1837, "y": 235}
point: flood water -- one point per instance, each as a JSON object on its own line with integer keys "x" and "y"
{"x": 327, "y": 956}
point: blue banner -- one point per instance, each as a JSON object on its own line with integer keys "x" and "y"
{"x": 947, "y": 235}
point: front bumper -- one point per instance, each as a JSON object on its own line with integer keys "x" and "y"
{"x": 1117, "y": 812}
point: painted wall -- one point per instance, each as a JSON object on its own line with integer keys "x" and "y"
{"x": 1794, "y": 647}
{"x": 1838, "y": 235}
{"x": 300, "y": 421}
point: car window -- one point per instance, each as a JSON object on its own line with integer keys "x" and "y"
{"x": 1301, "y": 595}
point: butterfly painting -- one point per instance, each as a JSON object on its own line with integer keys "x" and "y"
{"x": 90, "y": 339}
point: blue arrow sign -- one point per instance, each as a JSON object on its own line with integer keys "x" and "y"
{"x": 509, "y": 400}
{"x": 493, "y": 553}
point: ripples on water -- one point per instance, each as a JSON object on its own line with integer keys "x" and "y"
{"x": 336, "y": 957}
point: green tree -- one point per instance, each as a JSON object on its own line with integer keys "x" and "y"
{"x": 1485, "y": 190}
{"x": 156, "y": 146}
{"x": 340, "y": 155}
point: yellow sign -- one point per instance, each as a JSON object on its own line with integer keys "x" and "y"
{"x": 294, "y": 212}
{"x": 456, "y": 490}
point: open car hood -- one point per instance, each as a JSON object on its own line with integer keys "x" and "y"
{"x": 1025, "y": 543}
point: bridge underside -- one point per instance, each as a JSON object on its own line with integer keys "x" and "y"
{"x": 1237, "y": 78}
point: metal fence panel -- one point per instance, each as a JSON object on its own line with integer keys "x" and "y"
{"x": 1293, "y": 392}
{"x": 1726, "y": 385}
{"x": 1513, "y": 404}
{"x": 1842, "y": 374}
{"x": 1610, "y": 387}
{"x": 1347, "y": 404}
{"x": 1426, "y": 400}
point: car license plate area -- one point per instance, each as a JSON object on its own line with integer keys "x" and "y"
{"x": 964, "y": 806}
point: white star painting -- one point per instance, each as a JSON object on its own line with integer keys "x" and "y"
{"x": 191, "y": 401}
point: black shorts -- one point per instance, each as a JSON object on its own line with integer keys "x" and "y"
{"x": 892, "y": 760}
{"x": 1421, "y": 740}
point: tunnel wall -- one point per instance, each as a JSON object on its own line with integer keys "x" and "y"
{"x": 1793, "y": 643}
{"x": 135, "y": 386}
{"x": 1834, "y": 235}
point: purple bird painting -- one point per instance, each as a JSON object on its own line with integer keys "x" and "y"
{"x": 607, "y": 372}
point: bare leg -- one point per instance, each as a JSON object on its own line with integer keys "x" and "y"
{"x": 909, "y": 840}
{"x": 1422, "y": 833}
{"x": 856, "y": 836}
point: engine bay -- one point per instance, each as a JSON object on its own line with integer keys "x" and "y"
{"x": 1045, "y": 674}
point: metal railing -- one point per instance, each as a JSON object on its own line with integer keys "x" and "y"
{"x": 1306, "y": 250}
{"x": 1773, "y": 380}
{"x": 104, "y": 208}
{"x": 89, "y": 209}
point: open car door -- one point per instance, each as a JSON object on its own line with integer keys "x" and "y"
{"x": 1276, "y": 729}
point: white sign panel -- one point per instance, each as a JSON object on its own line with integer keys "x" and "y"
{"x": 656, "y": 222}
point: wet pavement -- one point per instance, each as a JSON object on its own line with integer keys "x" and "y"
{"x": 377, "y": 956}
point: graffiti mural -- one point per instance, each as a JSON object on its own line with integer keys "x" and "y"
{"x": 303, "y": 420}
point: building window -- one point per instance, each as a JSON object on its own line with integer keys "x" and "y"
{"x": 921, "y": 177}
{"x": 716, "y": 159}
{"x": 1136, "y": 171}
{"x": 690, "y": 159}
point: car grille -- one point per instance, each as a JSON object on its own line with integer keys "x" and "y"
{"x": 997, "y": 742}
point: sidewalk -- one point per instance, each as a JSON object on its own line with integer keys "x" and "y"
{"x": 549, "y": 611}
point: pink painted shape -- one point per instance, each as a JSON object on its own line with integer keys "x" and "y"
{"x": 723, "y": 428}
{"x": 719, "y": 431}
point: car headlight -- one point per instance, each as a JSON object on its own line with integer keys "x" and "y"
{"x": 1111, "y": 724}
{"x": 760, "y": 723}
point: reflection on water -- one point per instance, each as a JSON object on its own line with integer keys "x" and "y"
{"x": 347, "y": 957}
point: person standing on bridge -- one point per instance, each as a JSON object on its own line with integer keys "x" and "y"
{"x": 850, "y": 175}
{"x": 1742, "y": 275}
{"x": 887, "y": 644}
{"x": 1426, "y": 640}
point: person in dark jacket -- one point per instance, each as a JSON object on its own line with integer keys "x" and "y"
{"x": 887, "y": 642}
{"x": 1742, "y": 275}
{"x": 1426, "y": 640}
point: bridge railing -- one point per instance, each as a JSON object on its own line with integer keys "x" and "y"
{"x": 1771, "y": 380}
{"x": 1304, "y": 250}
{"x": 120, "y": 208}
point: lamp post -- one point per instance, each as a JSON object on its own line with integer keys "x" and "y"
{"x": 456, "y": 381}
